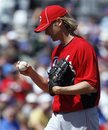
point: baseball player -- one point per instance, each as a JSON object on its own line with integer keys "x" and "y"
{"x": 75, "y": 104}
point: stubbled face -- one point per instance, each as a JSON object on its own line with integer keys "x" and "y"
{"x": 54, "y": 31}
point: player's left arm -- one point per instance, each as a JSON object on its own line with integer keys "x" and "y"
{"x": 79, "y": 88}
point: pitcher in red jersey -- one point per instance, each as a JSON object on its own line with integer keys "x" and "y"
{"x": 75, "y": 106}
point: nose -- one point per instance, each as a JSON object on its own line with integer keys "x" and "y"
{"x": 46, "y": 32}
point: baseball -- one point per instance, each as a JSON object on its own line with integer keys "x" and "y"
{"x": 22, "y": 65}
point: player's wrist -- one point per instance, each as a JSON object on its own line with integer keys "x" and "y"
{"x": 57, "y": 89}
{"x": 31, "y": 71}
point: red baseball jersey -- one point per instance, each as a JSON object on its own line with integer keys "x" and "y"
{"x": 82, "y": 56}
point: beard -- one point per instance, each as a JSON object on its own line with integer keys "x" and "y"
{"x": 54, "y": 37}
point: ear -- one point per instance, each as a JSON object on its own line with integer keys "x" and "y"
{"x": 60, "y": 22}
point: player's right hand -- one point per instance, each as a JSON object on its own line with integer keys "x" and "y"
{"x": 23, "y": 71}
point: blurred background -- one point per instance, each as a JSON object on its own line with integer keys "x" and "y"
{"x": 23, "y": 106}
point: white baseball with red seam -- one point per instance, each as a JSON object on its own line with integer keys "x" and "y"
{"x": 22, "y": 66}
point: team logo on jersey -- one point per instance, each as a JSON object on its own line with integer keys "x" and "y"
{"x": 55, "y": 60}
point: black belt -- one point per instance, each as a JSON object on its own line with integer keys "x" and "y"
{"x": 56, "y": 113}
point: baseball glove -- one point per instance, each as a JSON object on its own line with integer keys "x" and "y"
{"x": 62, "y": 74}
